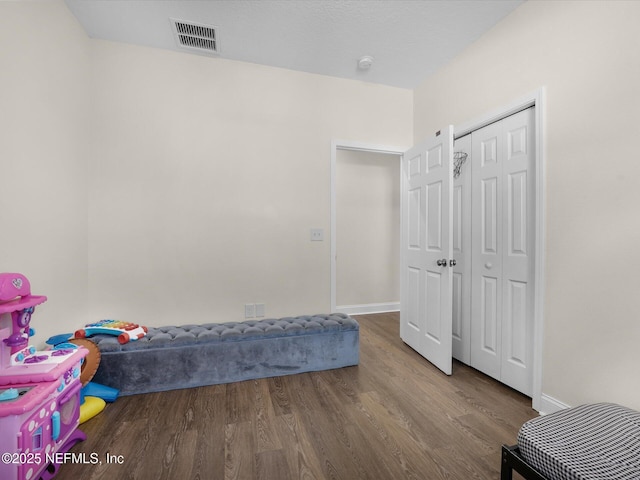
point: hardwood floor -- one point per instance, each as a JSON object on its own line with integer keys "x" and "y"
{"x": 394, "y": 416}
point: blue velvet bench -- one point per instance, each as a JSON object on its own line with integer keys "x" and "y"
{"x": 172, "y": 357}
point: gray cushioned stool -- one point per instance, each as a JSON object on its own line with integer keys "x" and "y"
{"x": 599, "y": 441}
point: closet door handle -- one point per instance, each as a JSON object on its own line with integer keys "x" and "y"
{"x": 442, "y": 263}
{"x": 452, "y": 263}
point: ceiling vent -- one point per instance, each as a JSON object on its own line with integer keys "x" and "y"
{"x": 195, "y": 36}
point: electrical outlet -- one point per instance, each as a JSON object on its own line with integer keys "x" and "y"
{"x": 249, "y": 310}
{"x": 317, "y": 235}
{"x": 259, "y": 309}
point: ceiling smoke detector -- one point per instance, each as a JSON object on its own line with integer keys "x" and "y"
{"x": 364, "y": 63}
{"x": 195, "y": 36}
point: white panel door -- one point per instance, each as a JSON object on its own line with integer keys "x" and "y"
{"x": 486, "y": 250}
{"x": 502, "y": 250}
{"x": 426, "y": 278}
{"x": 461, "y": 322}
{"x": 518, "y": 258}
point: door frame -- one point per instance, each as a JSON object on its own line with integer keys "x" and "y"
{"x": 532, "y": 99}
{"x": 360, "y": 147}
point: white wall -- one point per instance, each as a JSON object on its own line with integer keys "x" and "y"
{"x": 161, "y": 187}
{"x": 367, "y": 228}
{"x": 586, "y": 55}
{"x": 206, "y": 177}
{"x": 44, "y": 72}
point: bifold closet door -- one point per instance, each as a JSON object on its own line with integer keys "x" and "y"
{"x": 462, "y": 251}
{"x": 426, "y": 236}
{"x": 502, "y": 211}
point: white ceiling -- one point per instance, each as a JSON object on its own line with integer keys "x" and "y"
{"x": 408, "y": 39}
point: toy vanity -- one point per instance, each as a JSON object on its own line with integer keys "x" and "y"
{"x": 39, "y": 390}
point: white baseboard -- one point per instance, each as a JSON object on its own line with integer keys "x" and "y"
{"x": 548, "y": 404}
{"x": 369, "y": 308}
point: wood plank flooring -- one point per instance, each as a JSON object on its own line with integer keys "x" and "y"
{"x": 394, "y": 416}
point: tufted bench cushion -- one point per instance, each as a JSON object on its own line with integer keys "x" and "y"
{"x": 186, "y": 356}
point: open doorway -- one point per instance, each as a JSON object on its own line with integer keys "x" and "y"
{"x": 365, "y": 226}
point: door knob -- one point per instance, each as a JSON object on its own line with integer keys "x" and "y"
{"x": 488, "y": 265}
{"x": 442, "y": 263}
{"x": 452, "y": 263}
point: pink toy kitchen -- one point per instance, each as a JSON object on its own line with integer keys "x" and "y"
{"x": 39, "y": 390}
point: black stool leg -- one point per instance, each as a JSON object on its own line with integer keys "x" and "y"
{"x": 506, "y": 471}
